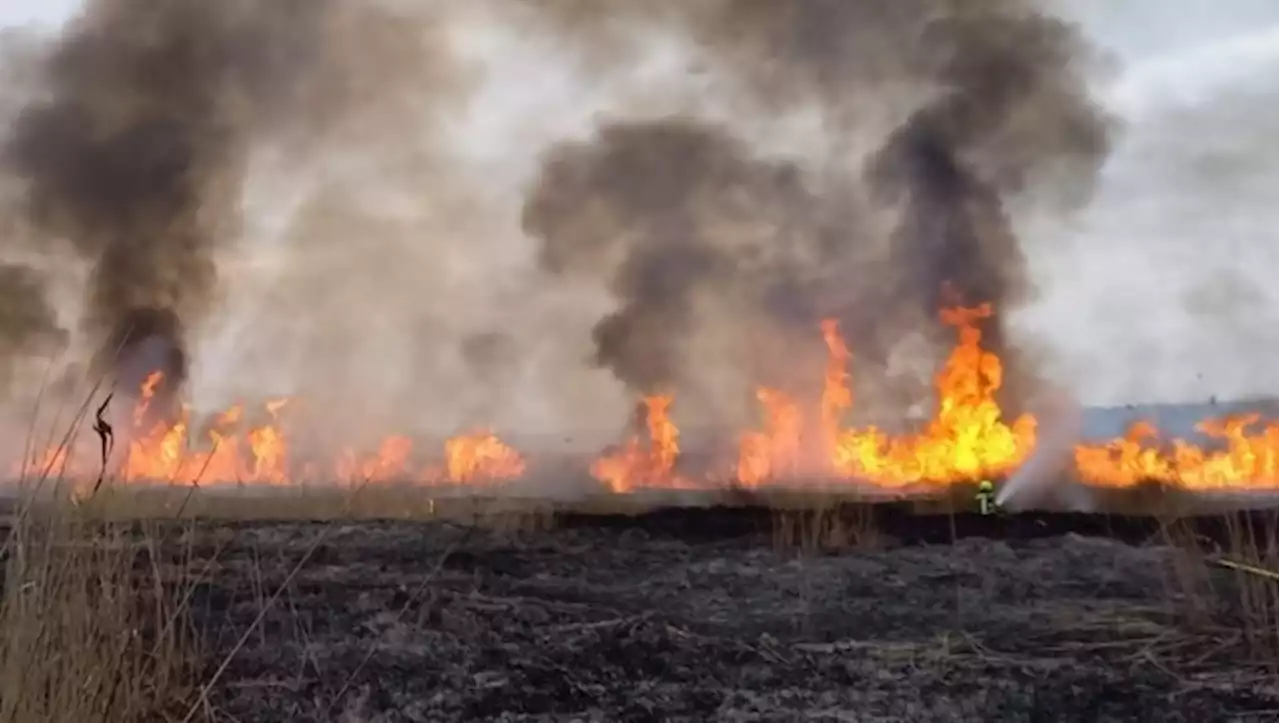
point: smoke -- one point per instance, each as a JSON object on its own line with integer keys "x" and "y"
{"x": 135, "y": 148}
{"x": 1165, "y": 289}
{"x": 672, "y": 210}
{"x": 695, "y": 232}
{"x": 28, "y": 323}
{"x": 952, "y": 163}
{"x": 331, "y": 199}
{"x": 1044, "y": 479}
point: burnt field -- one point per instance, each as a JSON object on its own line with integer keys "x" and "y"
{"x": 736, "y": 615}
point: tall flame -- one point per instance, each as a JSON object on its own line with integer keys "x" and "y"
{"x": 774, "y": 453}
{"x": 967, "y": 437}
{"x": 837, "y": 398}
{"x": 639, "y": 463}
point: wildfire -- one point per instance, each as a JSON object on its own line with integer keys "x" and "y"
{"x": 166, "y": 451}
{"x": 775, "y": 452}
{"x": 640, "y": 463}
{"x": 1247, "y": 459}
{"x": 389, "y": 463}
{"x": 967, "y": 438}
{"x": 260, "y": 454}
{"x": 480, "y": 457}
{"x": 836, "y": 395}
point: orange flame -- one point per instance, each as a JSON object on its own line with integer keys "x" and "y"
{"x": 1248, "y": 459}
{"x": 145, "y": 395}
{"x": 260, "y": 454}
{"x": 639, "y": 464}
{"x": 837, "y": 398}
{"x": 967, "y": 438}
{"x": 480, "y": 457}
{"x": 774, "y": 453}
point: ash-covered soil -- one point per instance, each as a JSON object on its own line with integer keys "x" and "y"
{"x": 437, "y": 622}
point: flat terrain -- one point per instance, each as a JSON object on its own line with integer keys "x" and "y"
{"x": 432, "y": 621}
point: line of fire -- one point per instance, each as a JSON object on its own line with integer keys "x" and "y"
{"x": 968, "y": 438}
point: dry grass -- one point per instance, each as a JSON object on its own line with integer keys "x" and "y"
{"x": 93, "y": 612}
{"x": 827, "y": 526}
{"x": 1230, "y": 589}
{"x": 364, "y": 502}
{"x": 95, "y": 592}
{"x": 1249, "y": 555}
{"x": 91, "y": 625}
{"x": 805, "y": 521}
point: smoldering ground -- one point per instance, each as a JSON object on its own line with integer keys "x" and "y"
{"x": 351, "y": 212}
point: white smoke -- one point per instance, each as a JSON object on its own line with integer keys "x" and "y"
{"x": 1166, "y": 289}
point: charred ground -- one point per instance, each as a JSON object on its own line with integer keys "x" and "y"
{"x": 669, "y": 620}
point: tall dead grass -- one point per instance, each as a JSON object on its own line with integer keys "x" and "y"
{"x": 1228, "y": 586}
{"x": 90, "y": 625}
{"x": 824, "y": 526}
{"x": 92, "y": 612}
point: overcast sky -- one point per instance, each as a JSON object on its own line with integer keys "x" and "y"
{"x": 1167, "y": 285}
{"x": 1139, "y": 30}
{"x": 47, "y": 13}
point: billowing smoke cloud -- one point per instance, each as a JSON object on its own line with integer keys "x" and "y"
{"x": 674, "y": 208}
{"x": 311, "y": 185}
{"x": 135, "y": 147}
{"x": 30, "y": 326}
{"x": 28, "y": 323}
{"x": 992, "y": 104}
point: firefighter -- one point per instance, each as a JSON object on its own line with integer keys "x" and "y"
{"x": 986, "y": 497}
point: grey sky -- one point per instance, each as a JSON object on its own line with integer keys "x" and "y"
{"x": 1146, "y": 29}
{"x": 43, "y": 13}
{"x": 1167, "y": 288}
{"x": 1136, "y": 29}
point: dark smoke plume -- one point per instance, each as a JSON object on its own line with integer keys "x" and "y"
{"x": 671, "y": 199}
{"x": 645, "y": 193}
{"x": 137, "y": 144}
{"x": 994, "y": 104}
{"x": 28, "y": 324}
{"x": 952, "y": 161}
{"x": 134, "y": 151}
